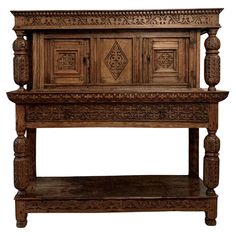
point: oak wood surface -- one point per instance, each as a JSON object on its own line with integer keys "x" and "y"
{"x": 115, "y": 187}
{"x": 135, "y": 68}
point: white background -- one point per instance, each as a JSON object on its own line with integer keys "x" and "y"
{"x": 117, "y": 151}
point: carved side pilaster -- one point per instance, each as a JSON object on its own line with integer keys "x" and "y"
{"x": 211, "y": 162}
{"x": 212, "y": 60}
{"x": 21, "y": 60}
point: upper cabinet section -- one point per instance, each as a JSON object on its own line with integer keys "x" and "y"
{"x": 69, "y": 49}
{"x": 120, "y": 58}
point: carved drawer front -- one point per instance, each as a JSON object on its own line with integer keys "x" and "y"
{"x": 166, "y": 61}
{"x": 115, "y": 61}
{"x": 178, "y": 112}
{"x": 67, "y": 62}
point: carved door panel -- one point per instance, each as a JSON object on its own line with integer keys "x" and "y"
{"x": 115, "y": 61}
{"x": 165, "y": 61}
{"x": 67, "y": 62}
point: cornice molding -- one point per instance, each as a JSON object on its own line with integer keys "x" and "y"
{"x": 180, "y": 18}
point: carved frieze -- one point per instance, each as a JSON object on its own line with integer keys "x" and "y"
{"x": 127, "y": 97}
{"x": 110, "y": 19}
{"x": 118, "y": 112}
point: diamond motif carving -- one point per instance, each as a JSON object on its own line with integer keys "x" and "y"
{"x": 116, "y": 60}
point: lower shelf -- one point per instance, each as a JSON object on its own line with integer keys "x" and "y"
{"x": 115, "y": 187}
{"x": 117, "y": 194}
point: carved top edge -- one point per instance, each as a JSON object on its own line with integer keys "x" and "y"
{"x": 116, "y": 12}
{"x": 173, "y": 18}
{"x": 116, "y": 97}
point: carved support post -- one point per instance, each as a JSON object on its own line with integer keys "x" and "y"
{"x": 21, "y": 60}
{"x": 21, "y": 162}
{"x": 194, "y": 152}
{"x": 31, "y": 136}
{"x": 212, "y": 147}
{"x": 212, "y": 60}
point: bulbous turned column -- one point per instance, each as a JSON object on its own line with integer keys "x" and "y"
{"x": 21, "y": 150}
{"x": 21, "y": 163}
{"x": 21, "y": 60}
{"x": 211, "y": 162}
{"x": 212, "y": 60}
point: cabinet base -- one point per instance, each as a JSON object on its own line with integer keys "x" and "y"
{"x": 116, "y": 194}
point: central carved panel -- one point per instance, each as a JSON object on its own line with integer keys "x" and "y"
{"x": 66, "y": 61}
{"x": 165, "y": 60}
{"x": 116, "y": 60}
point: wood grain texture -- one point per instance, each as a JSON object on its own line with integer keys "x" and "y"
{"x": 172, "y": 18}
{"x": 194, "y": 152}
{"x": 118, "y": 193}
{"x": 135, "y": 68}
{"x": 115, "y": 187}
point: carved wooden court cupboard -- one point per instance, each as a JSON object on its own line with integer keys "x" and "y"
{"x": 116, "y": 69}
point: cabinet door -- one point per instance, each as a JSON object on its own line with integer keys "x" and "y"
{"x": 115, "y": 61}
{"x": 67, "y": 62}
{"x": 165, "y": 61}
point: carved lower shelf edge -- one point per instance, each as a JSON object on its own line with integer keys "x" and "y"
{"x": 113, "y": 205}
{"x": 115, "y": 194}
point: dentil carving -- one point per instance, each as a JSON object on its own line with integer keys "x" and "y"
{"x": 198, "y": 17}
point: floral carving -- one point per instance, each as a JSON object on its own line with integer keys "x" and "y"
{"x": 197, "y": 17}
{"x": 116, "y": 60}
{"x": 127, "y": 97}
{"x": 118, "y": 112}
{"x": 115, "y": 205}
{"x": 66, "y": 61}
{"x": 165, "y": 60}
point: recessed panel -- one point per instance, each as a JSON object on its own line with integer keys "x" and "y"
{"x": 116, "y": 61}
{"x": 68, "y": 62}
